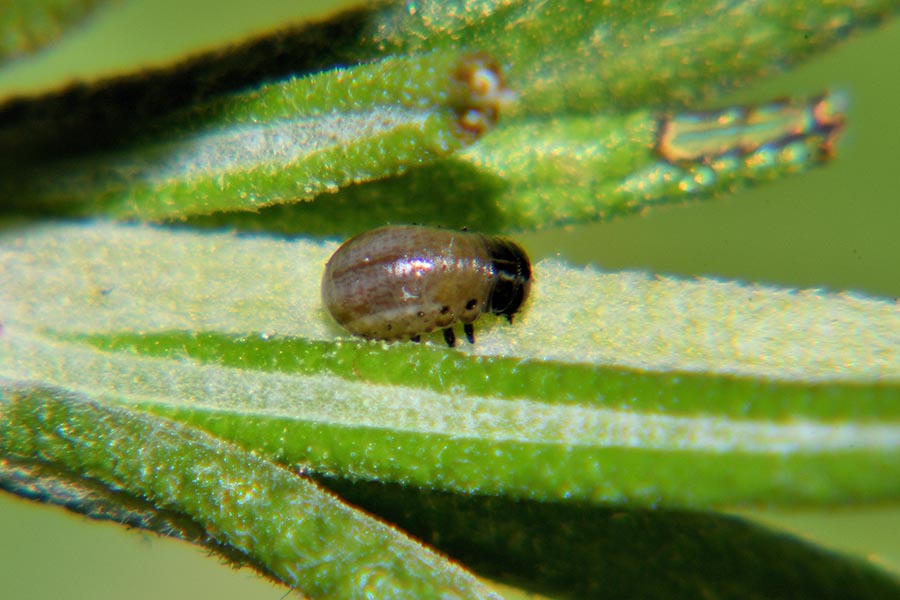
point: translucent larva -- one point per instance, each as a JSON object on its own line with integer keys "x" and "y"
{"x": 401, "y": 281}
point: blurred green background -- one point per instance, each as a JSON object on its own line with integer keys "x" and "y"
{"x": 835, "y": 228}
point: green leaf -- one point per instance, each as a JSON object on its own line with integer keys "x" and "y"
{"x": 536, "y": 173}
{"x": 586, "y": 134}
{"x": 658, "y": 376}
{"x": 26, "y": 25}
{"x": 799, "y": 430}
{"x": 284, "y": 142}
{"x": 304, "y": 536}
{"x": 582, "y": 57}
{"x": 614, "y": 399}
{"x": 51, "y": 484}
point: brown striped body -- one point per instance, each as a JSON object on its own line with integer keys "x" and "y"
{"x": 399, "y": 282}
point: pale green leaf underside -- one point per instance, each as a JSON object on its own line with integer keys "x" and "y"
{"x": 102, "y": 277}
{"x": 813, "y": 416}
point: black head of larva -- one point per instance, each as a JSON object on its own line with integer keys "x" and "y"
{"x": 512, "y": 277}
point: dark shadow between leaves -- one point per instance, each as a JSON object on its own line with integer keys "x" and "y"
{"x": 570, "y": 551}
{"x": 562, "y": 551}
{"x": 85, "y": 118}
{"x": 448, "y": 193}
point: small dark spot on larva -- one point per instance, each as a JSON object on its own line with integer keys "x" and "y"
{"x": 471, "y": 304}
{"x": 390, "y": 327}
{"x": 445, "y": 309}
{"x": 421, "y": 314}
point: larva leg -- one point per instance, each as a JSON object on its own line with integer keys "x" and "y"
{"x": 450, "y": 337}
{"x": 469, "y": 328}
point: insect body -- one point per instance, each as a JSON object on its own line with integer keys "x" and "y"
{"x": 399, "y": 282}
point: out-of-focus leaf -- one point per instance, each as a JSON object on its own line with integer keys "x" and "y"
{"x": 93, "y": 117}
{"x": 26, "y": 25}
{"x": 581, "y": 57}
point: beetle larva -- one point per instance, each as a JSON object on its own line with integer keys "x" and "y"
{"x": 401, "y": 281}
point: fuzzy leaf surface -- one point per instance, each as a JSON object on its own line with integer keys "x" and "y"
{"x": 653, "y": 390}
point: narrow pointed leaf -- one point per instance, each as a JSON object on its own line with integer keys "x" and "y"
{"x": 284, "y": 142}
{"x": 36, "y": 480}
{"x": 538, "y": 173}
{"x": 303, "y": 535}
{"x": 656, "y": 390}
{"x": 586, "y": 134}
